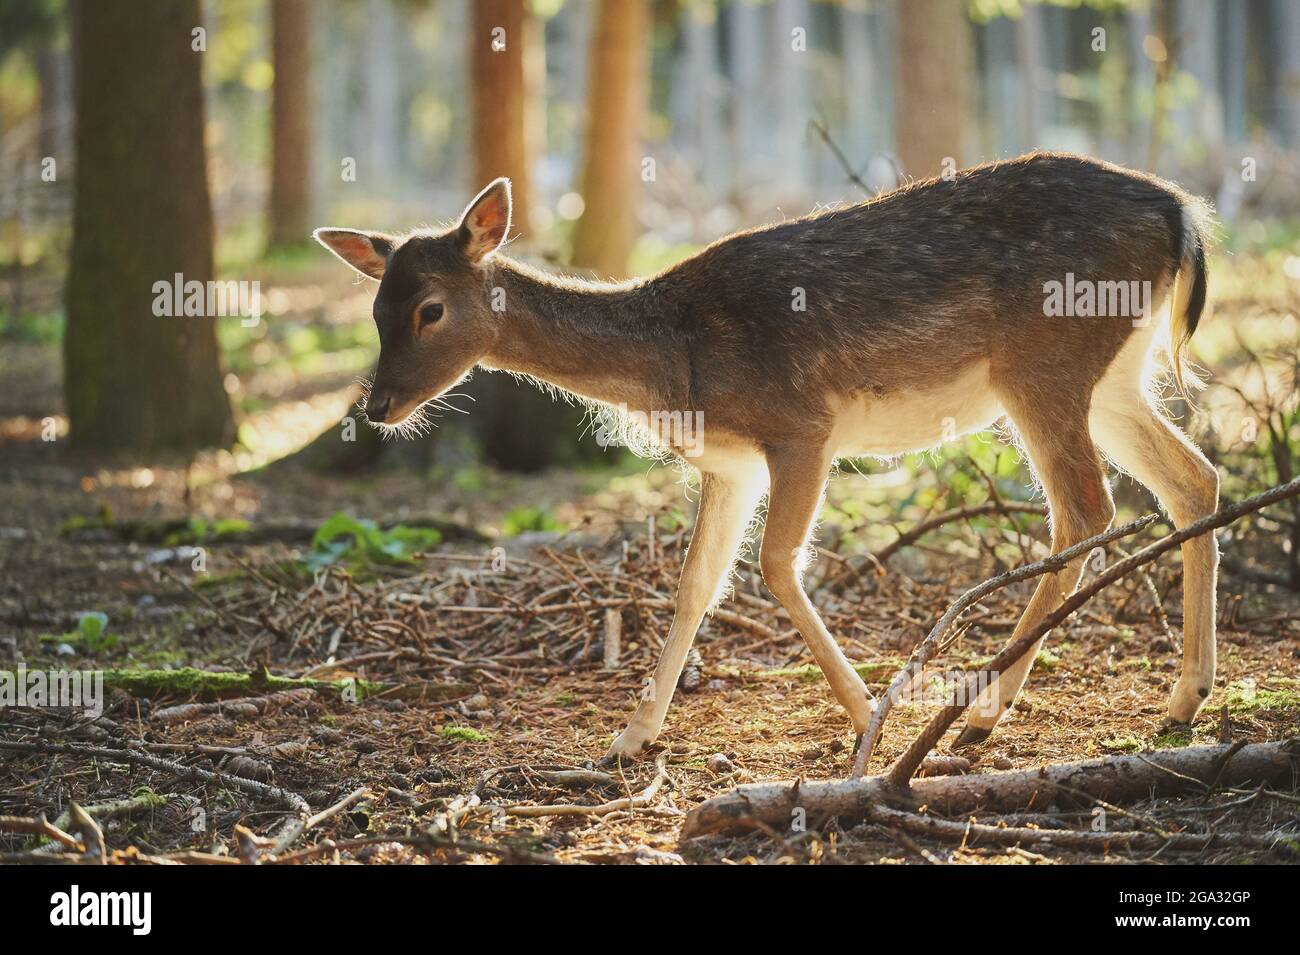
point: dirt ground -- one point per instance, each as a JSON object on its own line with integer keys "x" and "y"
{"x": 484, "y": 704}
{"x": 490, "y": 647}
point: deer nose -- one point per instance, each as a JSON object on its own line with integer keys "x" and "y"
{"x": 377, "y": 408}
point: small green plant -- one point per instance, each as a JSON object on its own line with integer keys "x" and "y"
{"x": 79, "y": 522}
{"x": 1123, "y": 744}
{"x": 1047, "y": 660}
{"x": 527, "y": 518}
{"x": 1245, "y": 697}
{"x": 348, "y": 539}
{"x": 89, "y": 637}
{"x": 200, "y": 531}
{"x": 452, "y": 731}
{"x": 671, "y": 521}
{"x": 1176, "y": 738}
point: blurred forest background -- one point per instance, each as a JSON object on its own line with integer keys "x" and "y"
{"x": 634, "y": 131}
{"x": 159, "y": 137}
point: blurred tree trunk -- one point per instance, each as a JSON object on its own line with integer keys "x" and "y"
{"x": 52, "y": 72}
{"x": 1287, "y": 92}
{"x": 382, "y": 93}
{"x": 1235, "y": 60}
{"x": 134, "y": 380}
{"x": 520, "y": 428}
{"x": 750, "y": 149}
{"x": 616, "y": 106}
{"x": 1029, "y": 60}
{"x": 499, "y": 42}
{"x": 789, "y": 109}
{"x": 1139, "y": 82}
{"x": 861, "y": 84}
{"x": 933, "y": 63}
{"x": 1200, "y": 122}
{"x": 1163, "y": 28}
{"x": 290, "y": 208}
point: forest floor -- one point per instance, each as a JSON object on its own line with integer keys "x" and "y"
{"x": 212, "y": 565}
{"x": 482, "y": 705}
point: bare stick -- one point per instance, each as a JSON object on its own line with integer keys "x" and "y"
{"x": 638, "y": 801}
{"x": 130, "y": 756}
{"x": 926, "y": 526}
{"x": 927, "y": 648}
{"x": 903, "y": 768}
{"x": 820, "y": 129}
{"x": 974, "y": 832}
{"x": 300, "y": 826}
{"x": 40, "y": 826}
{"x": 92, "y": 837}
{"x": 613, "y": 636}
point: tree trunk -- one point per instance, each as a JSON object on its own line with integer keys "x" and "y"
{"x": 1029, "y": 59}
{"x": 521, "y": 429}
{"x": 750, "y": 149}
{"x": 134, "y": 380}
{"x": 933, "y": 62}
{"x": 616, "y": 105}
{"x": 290, "y": 207}
{"x": 1287, "y": 90}
{"x": 382, "y": 93}
{"x": 499, "y": 48}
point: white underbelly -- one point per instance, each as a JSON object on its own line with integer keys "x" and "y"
{"x": 915, "y": 420}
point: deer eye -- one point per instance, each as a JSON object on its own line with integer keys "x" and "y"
{"x": 430, "y": 312}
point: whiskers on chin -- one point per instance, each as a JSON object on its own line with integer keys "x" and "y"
{"x": 419, "y": 422}
{"x": 414, "y": 425}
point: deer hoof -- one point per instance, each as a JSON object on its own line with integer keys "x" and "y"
{"x": 627, "y": 745}
{"x": 970, "y": 736}
{"x": 1186, "y": 701}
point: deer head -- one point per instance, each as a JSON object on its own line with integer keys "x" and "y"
{"x": 433, "y": 308}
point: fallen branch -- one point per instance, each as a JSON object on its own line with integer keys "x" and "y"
{"x": 300, "y": 826}
{"x": 113, "y": 809}
{"x": 911, "y": 536}
{"x": 134, "y": 757}
{"x": 725, "y": 616}
{"x": 972, "y": 833}
{"x": 92, "y": 837}
{"x": 38, "y": 826}
{"x": 640, "y": 800}
{"x": 927, "y": 648}
{"x": 1116, "y": 779}
{"x": 905, "y": 766}
{"x": 242, "y": 708}
{"x": 222, "y": 684}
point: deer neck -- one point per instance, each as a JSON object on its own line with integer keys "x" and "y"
{"x": 608, "y": 342}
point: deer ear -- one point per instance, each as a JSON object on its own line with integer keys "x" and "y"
{"x": 367, "y": 252}
{"x": 486, "y": 221}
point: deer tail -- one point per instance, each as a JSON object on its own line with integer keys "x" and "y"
{"x": 1190, "y": 285}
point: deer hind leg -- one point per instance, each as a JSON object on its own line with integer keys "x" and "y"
{"x": 1066, "y": 464}
{"x": 798, "y": 480}
{"x": 1140, "y": 440}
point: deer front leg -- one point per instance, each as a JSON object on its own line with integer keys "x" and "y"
{"x": 798, "y": 480}
{"x": 726, "y": 505}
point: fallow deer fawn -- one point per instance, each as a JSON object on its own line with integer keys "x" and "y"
{"x": 873, "y": 329}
